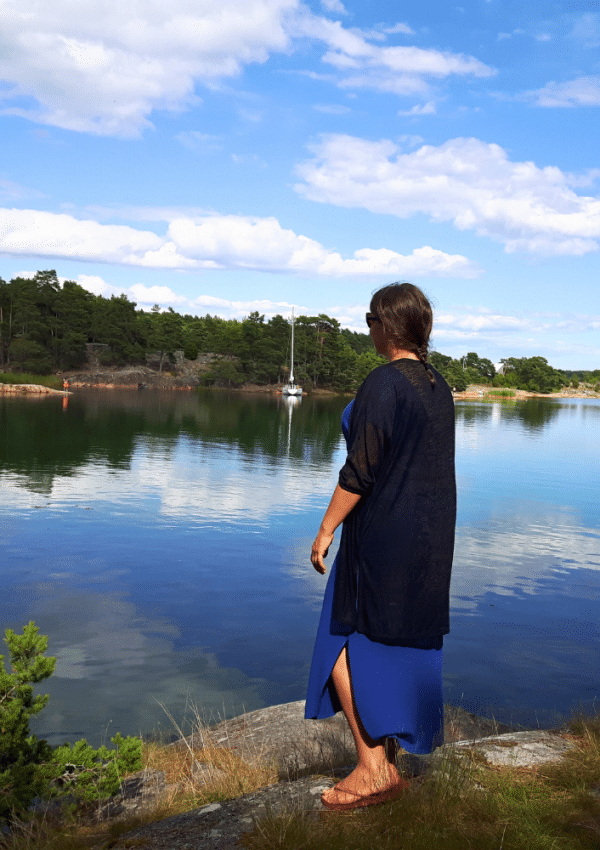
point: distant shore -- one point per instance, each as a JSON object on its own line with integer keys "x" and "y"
{"x": 30, "y": 389}
{"x": 144, "y": 378}
{"x": 486, "y": 393}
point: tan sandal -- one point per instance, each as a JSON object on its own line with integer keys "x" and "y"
{"x": 368, "y": 799}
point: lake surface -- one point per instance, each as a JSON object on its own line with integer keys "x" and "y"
{"x": 162, "y": 541}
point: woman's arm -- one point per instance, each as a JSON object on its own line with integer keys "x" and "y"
{"x": 340, "y": 506}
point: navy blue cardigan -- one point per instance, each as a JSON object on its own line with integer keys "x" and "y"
{"x": 395, "y": 556}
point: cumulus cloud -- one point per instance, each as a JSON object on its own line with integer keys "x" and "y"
{"x": 584, "y": 91}
{"x": 466, "y": 181}
{"x": 146, "y": 297}
{"x": 211, "y": 242}
{"x": 107, "y": 70}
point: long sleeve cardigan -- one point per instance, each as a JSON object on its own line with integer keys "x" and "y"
{"x": 395, "y": 556}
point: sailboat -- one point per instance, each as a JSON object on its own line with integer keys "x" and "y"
{"x": 291, "y": 388}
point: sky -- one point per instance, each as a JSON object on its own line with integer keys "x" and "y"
{"x": 221, "y": 157}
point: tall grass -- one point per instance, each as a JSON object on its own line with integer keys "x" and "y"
{"x": 51, "y": 381}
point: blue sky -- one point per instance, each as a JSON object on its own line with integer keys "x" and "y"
{"x": 223, "y": 157}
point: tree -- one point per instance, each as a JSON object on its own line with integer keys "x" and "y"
{"x": 20, "y": 752}
{"x": 30, "y": 767}
{"x": 480, "y": 369}
{"x": 530, "y": 373}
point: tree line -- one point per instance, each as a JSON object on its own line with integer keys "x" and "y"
{"x": 45, "y": 327}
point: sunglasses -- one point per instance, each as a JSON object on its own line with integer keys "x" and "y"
{"x": 371, "y": 318}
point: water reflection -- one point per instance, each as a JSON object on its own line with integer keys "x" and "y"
{"x": 116, "y": 668}
{"x": 44, "y": 441}
{"x": 533, "y": 414}
{"x": 162, "y": 542}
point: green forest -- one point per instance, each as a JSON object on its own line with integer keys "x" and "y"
{"x": 45, "y": 328}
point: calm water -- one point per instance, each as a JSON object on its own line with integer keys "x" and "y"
{"x": 162, "y": 542}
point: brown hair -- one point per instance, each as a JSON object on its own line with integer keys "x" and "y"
{"x": 406, "y": 316}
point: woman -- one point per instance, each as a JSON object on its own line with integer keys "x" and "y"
{"x": 378, "y": 652}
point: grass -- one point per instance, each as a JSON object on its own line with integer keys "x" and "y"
{"x": 51, "y": 381}
{"x": 460, "y": 804}
{"x": 464, "y": 804}
{"x": 195, "y": 774}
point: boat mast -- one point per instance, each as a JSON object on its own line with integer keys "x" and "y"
{"x": 291, "y": 381}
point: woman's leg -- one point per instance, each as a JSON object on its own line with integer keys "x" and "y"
{"x": 374, "y": 772}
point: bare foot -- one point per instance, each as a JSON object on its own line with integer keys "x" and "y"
{"x": 362, "y": 783}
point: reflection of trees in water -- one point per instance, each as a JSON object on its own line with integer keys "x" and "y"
{"x": 532, "y": 413}
{"x": 41, "y": 440}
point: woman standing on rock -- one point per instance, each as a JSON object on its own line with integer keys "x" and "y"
{"x": 378, "y": 652}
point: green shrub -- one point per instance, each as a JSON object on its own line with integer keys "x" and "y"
{"x": 190, "y": 352}
{"x": 86, "y": 774}
{"x": 30, "y": 767}
{"x": 21, "y": 753}
{"x": 29, "y": 378}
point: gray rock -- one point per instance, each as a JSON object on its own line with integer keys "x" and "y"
{"x": 518, "y": 749}
{"x": 305, "y": 749}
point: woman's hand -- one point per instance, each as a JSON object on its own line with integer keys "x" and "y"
{"x": 320, "y": 548}
{"x": 342, "y": 502}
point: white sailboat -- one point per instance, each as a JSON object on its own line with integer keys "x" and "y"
{"x": 291, "y": 388}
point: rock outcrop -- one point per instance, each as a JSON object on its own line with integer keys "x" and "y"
{"x": 306, "y": 749}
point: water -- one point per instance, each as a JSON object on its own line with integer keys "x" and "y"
{"x": 162, "y": 542}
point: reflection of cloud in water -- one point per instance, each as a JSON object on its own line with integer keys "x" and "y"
{"x": 528, "y": 544}
{"x": 187, "y": 481}
{"x": 115, "y": 668}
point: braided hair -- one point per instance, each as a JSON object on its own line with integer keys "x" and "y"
{"x": 406, "y": 316}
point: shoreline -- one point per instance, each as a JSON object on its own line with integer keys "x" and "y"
{"x": 31, "y": 389}
{"x": 486, "y": 394}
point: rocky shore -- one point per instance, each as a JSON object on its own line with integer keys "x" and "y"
{"x": 310, "y": 756}
{"x": 30, "y": 389}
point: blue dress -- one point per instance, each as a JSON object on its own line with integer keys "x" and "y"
{"x": 397, "y": 689}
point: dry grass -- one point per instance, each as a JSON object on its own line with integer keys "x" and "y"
{"x": 195, "y": 774}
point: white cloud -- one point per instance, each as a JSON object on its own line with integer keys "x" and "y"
{"x": 469, "y": 182}
{"x": 403, "y": 28}
{"x": 332, "y": 108}
{"x": 334, "y": 6}
{"x": 426, "y": 109}
{"x": 11, "y": 191}
{"x": 584, "y": 91}
{"x": 476, "y": 323}
{"x": 194, "y": 140}
{"x": 586, "y": 29}
{"x": 397, "y": 69}
{"x": 156, "y": 295}
{"x": 145, "y": 297}
{"x": 210, "y": 242}
{"x": 106, "y": 70}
